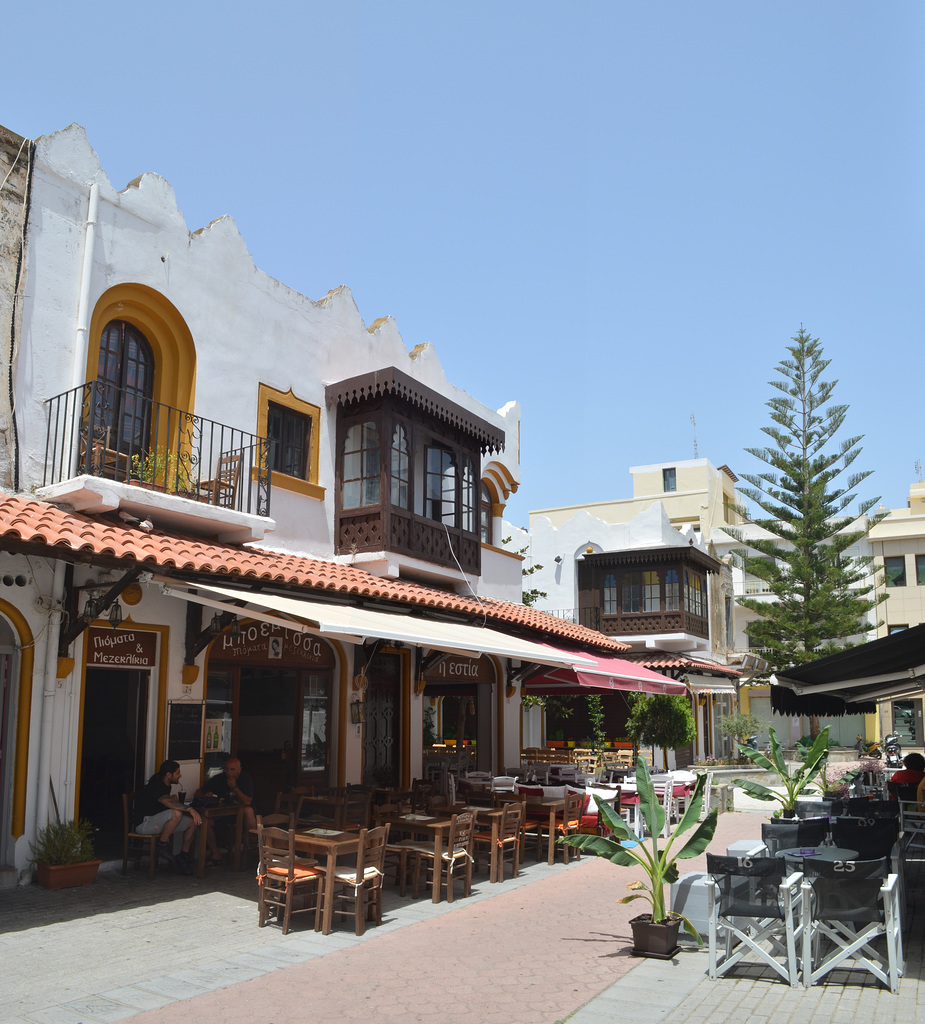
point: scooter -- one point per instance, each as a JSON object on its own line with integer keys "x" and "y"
{"x": 894, "y": 752}
{"x": 866, "y": 749}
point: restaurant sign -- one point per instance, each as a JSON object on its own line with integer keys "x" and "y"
{"x": 261, "y": 642}
{"x": 121, "y": 648}
{"x": 456, "y": 669}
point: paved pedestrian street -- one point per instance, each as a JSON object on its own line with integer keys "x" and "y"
{"x": 553, "y": 945}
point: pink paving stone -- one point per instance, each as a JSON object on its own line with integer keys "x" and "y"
{"x": 562, "y": 940}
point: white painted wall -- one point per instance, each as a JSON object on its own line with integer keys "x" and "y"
{"x": 247, "y": 327}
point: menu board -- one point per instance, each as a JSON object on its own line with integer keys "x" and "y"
{"x": 184, "y": 730}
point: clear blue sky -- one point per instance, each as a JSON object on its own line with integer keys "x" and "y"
{"x": 617, "y": 213}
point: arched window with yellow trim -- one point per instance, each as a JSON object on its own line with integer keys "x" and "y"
{"x": 125, "y": 373}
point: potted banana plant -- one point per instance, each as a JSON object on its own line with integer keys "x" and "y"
{"x": 795, "y": 782}
{"x": 654, "y": 934}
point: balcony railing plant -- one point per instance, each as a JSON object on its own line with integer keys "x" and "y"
{"x": 100, "y": 430}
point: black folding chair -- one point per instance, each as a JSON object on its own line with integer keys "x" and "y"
{"x": 784, "y": 834}
{"x": 864, "y": 807}
{"x": 846, "y": 907}
{"x": 871, "y": 837}
{"x": 754, "y": 907}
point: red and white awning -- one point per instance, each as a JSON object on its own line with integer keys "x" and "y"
{"x": 607, "y": 674}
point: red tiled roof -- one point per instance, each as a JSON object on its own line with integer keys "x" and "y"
{"x": 661, "y": 660}
{"x": 39, "y": 523}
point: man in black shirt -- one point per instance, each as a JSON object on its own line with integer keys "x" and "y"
{"x": 164, "y": 815}
{"x": 232, "y": 786}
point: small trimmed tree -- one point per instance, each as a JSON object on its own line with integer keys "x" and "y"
{"x": 738, "y": 725}
{"x": 661, "y": 720}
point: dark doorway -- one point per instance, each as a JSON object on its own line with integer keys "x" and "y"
{"x": 268, "y": 702}
{"x": 112, "y": 749}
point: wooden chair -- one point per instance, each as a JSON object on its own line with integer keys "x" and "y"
{"x": 289, "y": 803}
{"x": 355, "y": 811}
{"x": 456, "y": 853}
{"x": 362, "y": 886}
{"x": 135, "y": 844}
{"x": 586, "y": 760}
{"x": 282, "y": 877}
{"x": 279, "y": 819}
{"x": 421, "y": 791}
{"x": 508, "y": 841}
{"x": 223, "y": 488}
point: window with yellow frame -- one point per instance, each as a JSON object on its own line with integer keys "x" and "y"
{"x": 293, "y": 429}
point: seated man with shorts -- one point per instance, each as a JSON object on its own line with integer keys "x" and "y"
{"x": 164, "y": 815}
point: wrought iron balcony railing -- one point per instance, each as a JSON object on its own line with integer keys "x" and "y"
{"x": 100, "y": 430}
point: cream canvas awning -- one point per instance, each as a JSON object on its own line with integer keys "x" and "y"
{"x": 355, "y": 625}
{"x": 709, "y": 684}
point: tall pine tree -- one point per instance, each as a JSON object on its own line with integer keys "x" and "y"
{"x": 822, "y": 595}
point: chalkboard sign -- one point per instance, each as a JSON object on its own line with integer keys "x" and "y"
{"x": 184, "y": 731}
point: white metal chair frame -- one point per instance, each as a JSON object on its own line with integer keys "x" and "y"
{"x": 752, "y": 904}
{"x": 849, "y": 932}
{"x": 912, "y": 819}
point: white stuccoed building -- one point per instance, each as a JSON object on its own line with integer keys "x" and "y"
{"x": 174, "y": 421}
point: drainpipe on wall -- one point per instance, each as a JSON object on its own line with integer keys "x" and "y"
{"x": 83, "y": 303}
{"x": 48, "y": 697}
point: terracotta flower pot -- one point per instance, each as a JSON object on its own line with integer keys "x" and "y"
{"x": 63, "y": 876}
{"x": 657, "y": 939}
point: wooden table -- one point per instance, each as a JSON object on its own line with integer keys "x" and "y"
{"x": 423, "y": 824}
{"x": 553, "y": 806}
{"x": 211, "y": 814}
{"x": 332, "y": 843}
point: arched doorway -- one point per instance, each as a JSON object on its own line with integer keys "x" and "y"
{"x": 9, "y": 651}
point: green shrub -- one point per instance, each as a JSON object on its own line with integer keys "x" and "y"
{"x": 63, "y": 842}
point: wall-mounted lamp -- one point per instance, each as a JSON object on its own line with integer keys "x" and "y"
{"x": 91, "y": 609}
{"x": 357, "y": 712}
{"x": 215, "y": 626}
{"x": 115, "y": 615}
{"x": 234, "y": 629}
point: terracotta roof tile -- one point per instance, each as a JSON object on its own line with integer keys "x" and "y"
{"x": 662, "y": 659}
{"x": 39, "y": 523}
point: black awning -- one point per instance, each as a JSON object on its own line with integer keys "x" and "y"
{"x": 785, "y": 701}
{"x": 852, "y": 681}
